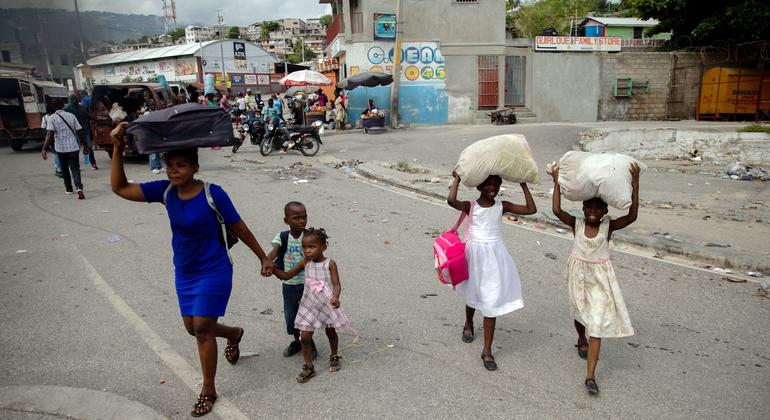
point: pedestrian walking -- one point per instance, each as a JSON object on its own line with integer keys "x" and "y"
{"x": 287, "y": 254}
{"x": 320, "y": 303}
{"x": 596, "y": 304}
{"x": 340, "y": 115}
{"x": 493, "y": 286}
{"x": 80, "y": 112}
{"x": 66, "y": 134}
{"x": 202, "y": 264}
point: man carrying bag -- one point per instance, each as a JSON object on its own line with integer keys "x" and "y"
{"x": 66, "y": 133}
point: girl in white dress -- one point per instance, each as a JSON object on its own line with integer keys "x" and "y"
{"x": 596, "y": 304}
{"x": 493, "y": 285}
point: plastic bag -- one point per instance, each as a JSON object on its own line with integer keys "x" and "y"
{"x": 208, "y": 85}
{"x": 583, "y": 176}
{"x": 117, "y": 113}
{"x": 508, "y": 156}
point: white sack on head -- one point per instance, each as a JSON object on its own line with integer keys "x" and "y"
{"x": 508, "y": 156}
{"x": 583, "y": 176}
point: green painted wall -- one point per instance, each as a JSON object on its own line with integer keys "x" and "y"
{"x": 627, "y": 32}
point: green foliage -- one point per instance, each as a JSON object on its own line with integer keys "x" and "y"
{"x": 755, "y": 128}
{"x": 267, "y": 27}
{"x": 535, "y": 16}
{"x": 234, "y": 33}
{"x": 297, "y": 50}
{"x": 129, "y": 79}
{"x": 733, "y": 20}
{"x": 177, "y": 33}
{"x": 326, "y": 20}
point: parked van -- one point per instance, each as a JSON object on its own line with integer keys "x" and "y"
{"x": 130, "y": 97}
{"x": 23, "y": 101}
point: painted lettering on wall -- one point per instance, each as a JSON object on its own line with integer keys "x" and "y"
{"x": 420, "y": 61}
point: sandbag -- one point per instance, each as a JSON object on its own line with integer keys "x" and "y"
{"x": 583, "y": 176}
{"x": 182, "y": 126}
{"x": 508, "y": 156}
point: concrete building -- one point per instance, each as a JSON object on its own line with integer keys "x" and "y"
{"x": 245, "y": 65}
{"x": 631, "y": 30}
{"x": 451, "y": 50}
{"x": 193, "y": 34}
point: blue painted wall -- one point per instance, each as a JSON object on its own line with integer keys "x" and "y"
{"x": 418, "y": 104}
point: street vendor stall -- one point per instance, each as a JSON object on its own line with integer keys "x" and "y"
{"x": 307, "y": 79}
{"x": 372, "y": 117}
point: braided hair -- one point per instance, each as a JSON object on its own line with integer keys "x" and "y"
{"x": 319, "y": 233}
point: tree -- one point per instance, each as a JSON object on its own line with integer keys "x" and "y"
{"x": 176, "y": 34}
{"x": 297, "y": 52}
{"x": 533, "y": 17}
{"x": 734, "y": 20}
{"x": 234, "y": 33}
{"x": 326, "y": 21}
{"x": 267, "y": 27}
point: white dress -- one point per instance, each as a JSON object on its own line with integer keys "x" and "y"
{"x": 594, "y": 295}
{"x": 493, "y": 286}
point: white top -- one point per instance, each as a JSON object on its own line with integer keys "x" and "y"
{"x": 65, "y": 140}
{"x": 242, "y": 104}
{"x": 487, "y": 223}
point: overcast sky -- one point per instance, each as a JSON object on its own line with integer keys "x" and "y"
{"x": 241, "y": 12}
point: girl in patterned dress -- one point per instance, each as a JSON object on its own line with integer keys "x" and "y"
{"x": 320, "y": 304}
{"x": 596, "y": 304}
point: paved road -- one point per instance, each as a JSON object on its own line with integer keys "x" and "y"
{"x": 78, "y": 310}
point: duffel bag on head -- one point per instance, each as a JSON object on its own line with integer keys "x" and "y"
{"x": 180, "y": 127}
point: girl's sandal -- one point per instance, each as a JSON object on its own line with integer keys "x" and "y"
{"x": 203, "y": 405}
{"x": 334, "y": 363}
{"x": 591, "y": 386}
{"x": 232, "y": 352}
{"x": 306, "y": 374}
{"x": 468, "y": 338}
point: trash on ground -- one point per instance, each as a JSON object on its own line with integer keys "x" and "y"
{"x": 425, "y": 296}
{"x": 756, "y": 274}
{"x": 22, "y": 251}
{"x": 267, "y": 311}
{"x": 113, "y": 239}
{"x": 390, "y": 346}
{"x": 104, "y": 211}
{"x": 560, "y": 230}
{"x": 765, "y": 285}
{"x": 550, "y": 255}
{"x": 301, "y": 181}
{"x": 162, "y": 382}
{"x": 721, "y": 270}
{"x": 715, "y": 245}
{"x": 387, "y": 242}
{"x": 734, "y": 280}
{"x": 737, "y": 170}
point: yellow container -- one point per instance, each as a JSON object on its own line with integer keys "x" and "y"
{"x": 729, "y": 93}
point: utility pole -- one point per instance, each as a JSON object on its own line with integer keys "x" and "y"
{"x": 83, "y": 57}
{"x": 396, "y": 69}
{"x": 44, "y": 43}
{"x": 220, "y": 19}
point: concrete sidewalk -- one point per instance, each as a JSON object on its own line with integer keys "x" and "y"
{"x": 688, "y": 208}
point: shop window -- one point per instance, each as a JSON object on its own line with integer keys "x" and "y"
{"x": 6, "y": 56}
{"x": 638, "y": 32}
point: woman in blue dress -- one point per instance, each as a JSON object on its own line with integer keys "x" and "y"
{"x": 202, "y": 266}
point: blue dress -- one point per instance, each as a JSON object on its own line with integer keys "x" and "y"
{"x": 204, "y": 275}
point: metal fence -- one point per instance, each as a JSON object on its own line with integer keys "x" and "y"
{"x": 515, "y": 80}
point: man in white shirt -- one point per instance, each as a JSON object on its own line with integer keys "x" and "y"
{"x": 66, "y": 133}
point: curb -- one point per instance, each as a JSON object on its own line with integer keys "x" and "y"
{"x": 78, "y": 403}
{"x": 654, "y": 244}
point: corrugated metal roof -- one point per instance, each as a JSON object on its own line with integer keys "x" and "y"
{"x": 611, "y": 21}
{"x": 148, "y": 54}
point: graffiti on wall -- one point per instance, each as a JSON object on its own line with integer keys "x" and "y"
{"x": 420, "y": 62}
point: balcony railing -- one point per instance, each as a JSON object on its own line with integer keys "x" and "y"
{"x": 335, "y": 28}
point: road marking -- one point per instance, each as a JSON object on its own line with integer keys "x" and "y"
{"x": 224, "y": 408}
{"x": 625, "y": 250}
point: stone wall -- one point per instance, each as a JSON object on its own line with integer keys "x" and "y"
{"x": 650, "y": 67}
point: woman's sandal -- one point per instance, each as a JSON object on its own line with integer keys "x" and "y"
{"x": 306, "y": 374}
{"x": 203, "y": 405}
{"x": 334, "y": 363}
{"x": 591, "y": 386}
{"x": 489, "y": 364}
{"x": 468, "y": 338}
{"x": 582, "y": 353}
{"x": 232, "y": 352}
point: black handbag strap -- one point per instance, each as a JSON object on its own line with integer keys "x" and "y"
{"x": 68, "y": 126}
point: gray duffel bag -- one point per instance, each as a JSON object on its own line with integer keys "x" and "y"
{"x": 181, "y": 127}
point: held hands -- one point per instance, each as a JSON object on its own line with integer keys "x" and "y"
{"x": 635, "y": 170}
{"x": 118, "y": 136}
{"x": 267, "y": 268}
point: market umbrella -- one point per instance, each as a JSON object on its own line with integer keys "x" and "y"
{"x": 367, "y": 79}
{"x": 305, "y": 78}
{"x": 294, "y": 89}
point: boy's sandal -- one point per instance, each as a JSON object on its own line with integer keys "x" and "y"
{"x": 232, "y": 352}
{"x": 334, "y": 363}
{"x": 582, "y": 353}
{"x": 203, "y": 405}
{"x": 591, "y": 386}
{"x": 489, "y": 362}
{"x": 306, "y": 374}
{"x": 468, "y": 338}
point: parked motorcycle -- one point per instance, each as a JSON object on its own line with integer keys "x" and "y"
{"x": 306, "y": 139}
{"x": 253, "y": 126}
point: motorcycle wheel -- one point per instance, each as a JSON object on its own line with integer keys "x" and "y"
{"x": 266, "y": 146}
{"x": 310, "y": 147}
